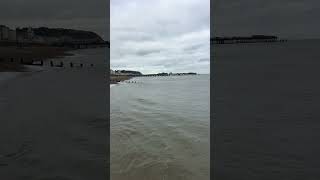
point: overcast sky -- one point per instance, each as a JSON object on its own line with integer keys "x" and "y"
{"x": 285, "y": 18}
{"x": 155, "y": 36}
{"x": 89, "y": 15}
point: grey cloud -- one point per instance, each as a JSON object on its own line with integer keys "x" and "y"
{"x": 204, "y": 60}
{"x": 81, "y": 14}
{"x": 156, "y": 36}
{"x": 286, "y": 18}
{"x": 147, "y": 52}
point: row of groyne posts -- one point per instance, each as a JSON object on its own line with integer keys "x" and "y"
{"x": 51, "y": 63}
{"x": 126, "y": 78}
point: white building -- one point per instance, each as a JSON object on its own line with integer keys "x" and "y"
{"x": 12, "y": 35}
{"x": 30, "y": 33}
{"x": 4, "y": 33}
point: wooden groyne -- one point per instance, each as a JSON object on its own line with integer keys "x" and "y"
{"x": 51, "y": 63}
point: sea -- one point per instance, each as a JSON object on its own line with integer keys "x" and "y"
{"x": 266, "y": 106}
{"x": 160, "y": 128}
{"x": 54, "y": 120}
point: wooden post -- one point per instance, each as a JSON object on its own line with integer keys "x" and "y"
{"x": 81, "y": 65}
{"x": 71, "y": 65}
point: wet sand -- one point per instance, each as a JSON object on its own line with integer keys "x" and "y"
{"x": 54, "y": 125}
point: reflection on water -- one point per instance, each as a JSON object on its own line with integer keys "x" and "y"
{"x": 160, "y": 128}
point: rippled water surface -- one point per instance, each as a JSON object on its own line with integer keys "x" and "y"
{"x": 267, "y": 111}
{"x": 160, "y": 128}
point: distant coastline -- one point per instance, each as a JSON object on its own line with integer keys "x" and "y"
{"x": 33, "y": 44}
{"x": 123, "y": 75}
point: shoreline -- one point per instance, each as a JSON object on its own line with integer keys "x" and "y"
{"x": 117, "y": 79}
{"x": 28, "y": 54}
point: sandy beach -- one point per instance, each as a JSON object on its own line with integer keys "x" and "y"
{"x": 54, "y": 124}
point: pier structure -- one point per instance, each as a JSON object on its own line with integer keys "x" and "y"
{"x": 243, "y": 39}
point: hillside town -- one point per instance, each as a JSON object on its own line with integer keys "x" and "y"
{"x": 49, "y": 37}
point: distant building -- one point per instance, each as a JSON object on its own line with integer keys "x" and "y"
{"x": 7, "y": 34}
{"x": 30, "y": 33}
{"x": 25, "y": 34}
{"x": 4, "y": 33}
{"x": 12, "y": 35}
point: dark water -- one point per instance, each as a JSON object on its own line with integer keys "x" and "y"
{"x": 54, "y": 123}
{"x": 266, "y": 111}
{"x": 160, "y": 128}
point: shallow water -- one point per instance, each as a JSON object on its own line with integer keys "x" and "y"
{"x": 160, "y": 128}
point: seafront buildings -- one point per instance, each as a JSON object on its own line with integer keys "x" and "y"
{"x": 7, "y": 34}
{"x": 17, "y": 35}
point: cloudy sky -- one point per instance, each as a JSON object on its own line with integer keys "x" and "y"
{"x": 285, "y": 18}
{"x": 155, "y": 36}
{"x": 92, "y": 15}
